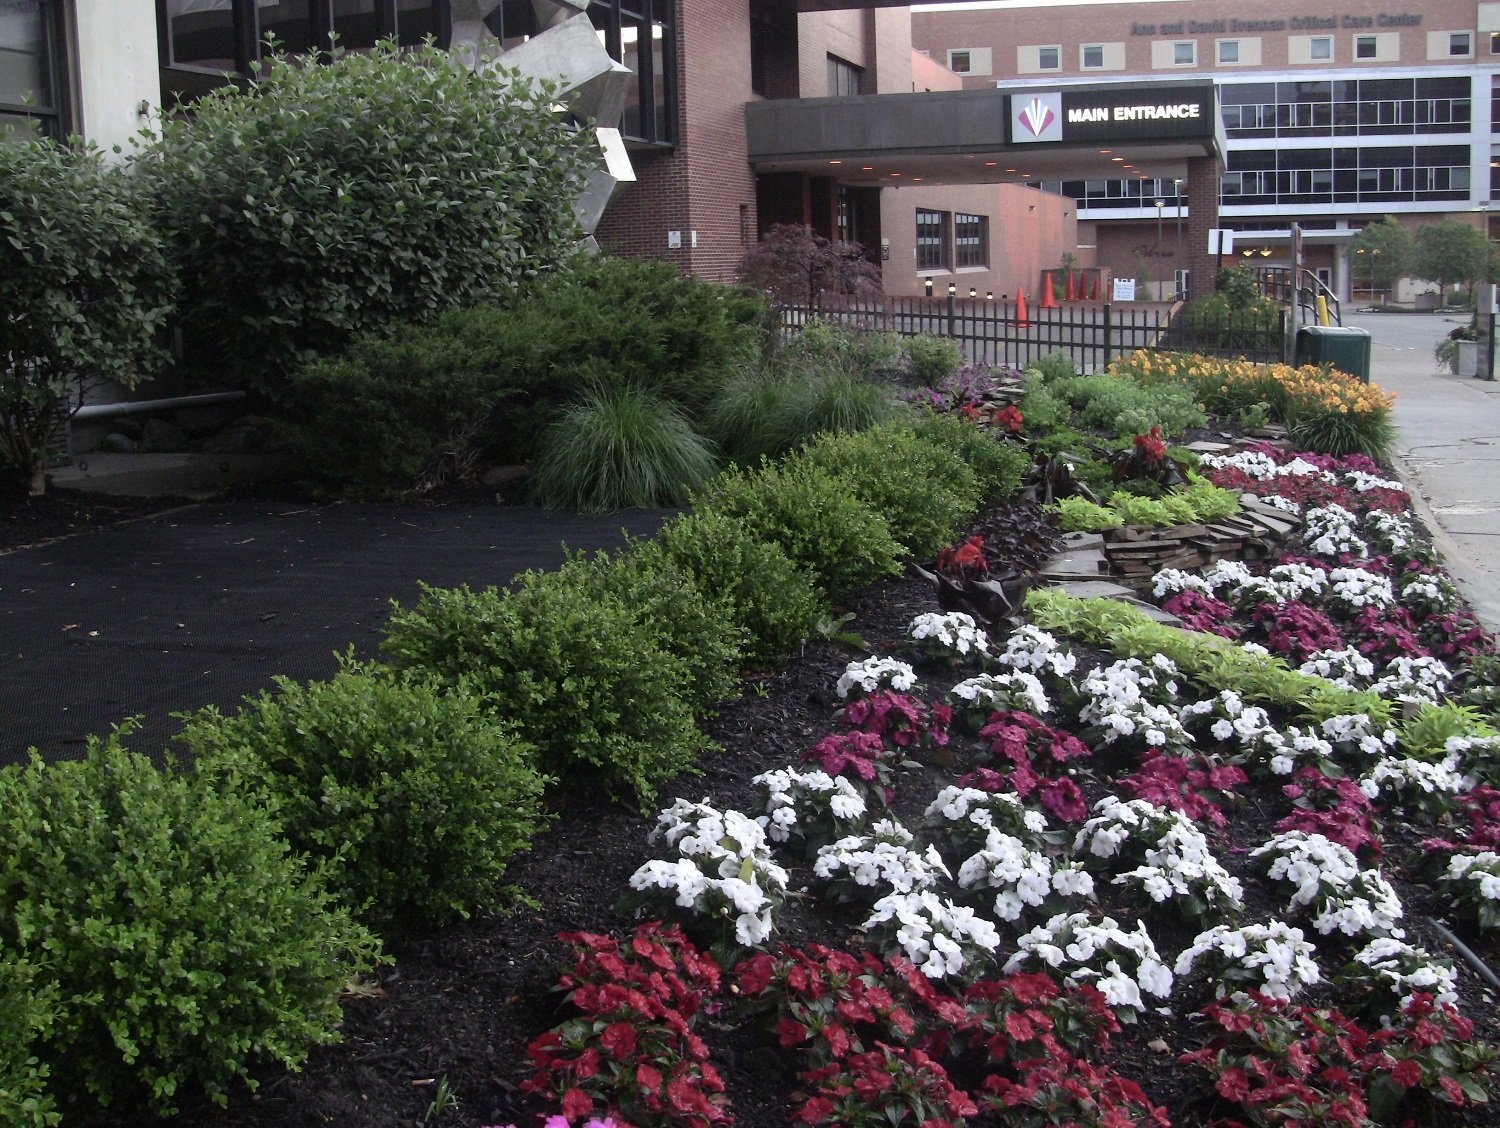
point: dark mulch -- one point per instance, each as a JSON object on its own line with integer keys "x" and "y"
{"x": 61, "y": 513}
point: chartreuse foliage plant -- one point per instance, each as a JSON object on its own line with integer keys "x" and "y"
{"x": 581, "y": 676}
{"x": 924, "y": 492}
{"x": 620, "y": 448}
{"x": 415, "y": 796}
{"x": 317, "y": 203}
{"x": 814, "y": 516}
{"x": 753, "y": 583}
{"x": 85, "y": 285}
{"x": 1199, "y": 500}
{"x": 174, "y": 939}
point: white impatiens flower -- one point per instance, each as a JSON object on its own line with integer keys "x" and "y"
{"x": 1364, "y": 482}
{"x": 1353, "y": 589}
{"x": 1397, "y": 971}
{"x": 941, "y": 938}
{"x": 1390, "y": 532}
{"x": 1271, "y": 958}
{"x": 1424, "y": 594}
{"x": 1035, "y": 651}
{"x": 1227, "y": 718}
{"x": 1021, "y": 877}
{"x": 797, "y": 800}
{"x": 954, "y": 635}
{"x": 1122, "y": 965}
{"x": 1135, "y": 699}
{"x": 1326, "y": 881}
{"x": 1414, "y": 679}
{"x": 870, "y": 674}
{"x": 963, "y": 817}
{"x": 723, "y": 868}
{"x": 1332, "y": 531}
{"x": 1475, "y": 880}
{"x": 1404, "y": 780}
{"x": 1347, "y": 668}
{"x": 867, "y": 866}
{"x": 1159, "y": 851}
{"x": 995, "y": 692}
{"x": 1355, "y": 738}
{"x": 1170, "y": 581}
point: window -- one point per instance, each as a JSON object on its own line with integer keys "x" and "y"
{"x": 843, "y": 77}
{"x": 971, "y": 240}
{"x": 932, "y": 240}
{"x": 31, "y": 82}
{"x": 1092, "y": 57}
{"x": 1365, "y": 47}
{"x": 1495, "y": 43}
{"x": 1184, "y": 54}
{"x": 1460, "y": 44}
{"x": 1049, "y": 58}
{"x": 638, "y": 33}
{"x": 1229, "y": 50}
{"x": 959, "y": 62}
{"x": 1320, "y": 47}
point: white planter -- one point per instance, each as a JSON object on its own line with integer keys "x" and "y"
{"x": 1466, "y": 363}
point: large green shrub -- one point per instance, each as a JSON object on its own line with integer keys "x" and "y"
{"x": 620, "y": 448}
{"x": 183, "y": 940}
{"x": 1124, "y": 407}
{"x": 998, "y": 464}
{"x": 416, "y": 796}
{"x": 85, "y": 292}
{"x": 686, "y": 622}
{"x": 390, "y": 415}
{"x": 322, "y": 202}
{"x": 932, "y": 359}
{"x": 581, "y": 677}
{"x": 924, "y": 493}
{"x": 814, "y": 516}
{"x": 753, "y": 580}
{"x": 27, "y": 1012}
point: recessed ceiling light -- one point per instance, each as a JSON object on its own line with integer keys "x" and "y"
{"x": 1117, "y": 158}
{"x": 1010, "y": 170}
{"x": 835, "y": 162}
{"x": 1106, "y": 152}
{"x": 990, "y": 164}
{"x": 866, "y": 168}
{"x": 895, "y": 174}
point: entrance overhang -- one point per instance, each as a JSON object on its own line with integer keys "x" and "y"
{"x": 1096, "y": 132}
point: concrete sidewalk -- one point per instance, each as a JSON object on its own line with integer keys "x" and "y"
{"x": 1447, "y": 449}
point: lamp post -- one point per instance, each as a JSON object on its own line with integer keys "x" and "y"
{"x": 1181, "y": 264}
{"x": 1160, "y": 204}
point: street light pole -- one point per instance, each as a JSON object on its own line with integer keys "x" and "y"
{"x": 1160, "y": 204}
{"x": 1181, "y": 264}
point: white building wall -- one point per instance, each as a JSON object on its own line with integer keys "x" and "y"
{"x": 116, "y": 68}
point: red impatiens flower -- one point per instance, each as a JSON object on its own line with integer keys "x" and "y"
{"x": 1009, "y": 418}
{"x": 1151, "y": 446}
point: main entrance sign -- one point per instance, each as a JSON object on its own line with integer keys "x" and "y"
{"x": 1111, "y": 115}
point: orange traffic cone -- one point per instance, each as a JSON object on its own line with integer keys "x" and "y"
{"x": 1049, "y": 300}
{"x": 1071, "y": 295}
{"x": 1094, "y": 289}
{"x": 1021, "y": 308}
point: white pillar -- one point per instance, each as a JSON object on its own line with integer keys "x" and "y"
{"x": 117, "y": 69}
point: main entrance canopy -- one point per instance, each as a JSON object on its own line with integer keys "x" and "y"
{"x": 1096, "y": 132}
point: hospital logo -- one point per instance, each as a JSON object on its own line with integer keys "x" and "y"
{"x": 1036, "y": 117}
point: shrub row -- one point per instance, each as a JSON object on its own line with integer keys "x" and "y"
{"x": 165, "y": 932}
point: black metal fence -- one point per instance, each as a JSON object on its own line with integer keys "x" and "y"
{"x": 1003, "y": 334}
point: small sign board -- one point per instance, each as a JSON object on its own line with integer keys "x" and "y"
{"x": 1220, "y": 241}
{"x": 1124, "y": 290}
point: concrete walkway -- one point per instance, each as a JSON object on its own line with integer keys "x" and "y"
{"x": 1447, "y": 450}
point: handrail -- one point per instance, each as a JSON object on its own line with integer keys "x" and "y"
{"x": 1305, "y": 290}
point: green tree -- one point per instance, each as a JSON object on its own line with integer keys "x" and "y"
{"x": 85, "y": 289}
{"x": 1381, "y": 253}
{"x": 324, "y": 202}
{"x": 1450, "y": 252}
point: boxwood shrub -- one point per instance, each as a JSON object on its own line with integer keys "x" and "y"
{"x": 28, "y": 1009}
{"x": 815, "y": 517}
{"x": 924, "y": 492}
{"x": 582, "y": 677}
{"x": 999, "y": 464}
{"x": 182, "y": 940}
{"x": 753, "y": 582}
{"x": 415, "y": 796}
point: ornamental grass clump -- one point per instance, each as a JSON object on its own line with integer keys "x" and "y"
{"x": 581, "y": 677}
{"x": 175, "y": 943}
{"x": 414, "y": 796}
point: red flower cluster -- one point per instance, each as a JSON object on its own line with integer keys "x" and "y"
{"x": 1009, "y": 419}
{"x": 1151, "y": 448}
{"x": 1335, "y": 808}
{"x": 964, "y": 560}
{"x": 1185, "y": 783}
{"x": 905, "y": 721}
{"x": 632, "y": 1055}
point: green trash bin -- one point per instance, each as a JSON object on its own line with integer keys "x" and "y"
{"x": 1342, "y": 346}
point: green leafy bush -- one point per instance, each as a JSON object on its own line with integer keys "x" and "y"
{"x": 183, "y": 940}
{"x": 932, "y": 359}
{"x": 1122, "y": 406}
{"x": 1055, "y": 366}
{"x": 815, "y": 517}
{"x": 390, "y": 416}
{"x": 683, "y": 618}
{"x": 415, "y": 796}
{"x": 27, "y": 1013}
{"x": 753, "y": 580}
{"x": 1044, "y": 410}
{"x": 620, "y": 448}
{"x": 924, "y": 493}
{"x": 320, "y": 203}
{"x": 581, "y": 677}
{"x": 997, "y": 463}
{"x": 85, "y": 285}
{"x": 860, "y": 351}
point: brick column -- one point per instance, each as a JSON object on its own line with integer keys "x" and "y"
{"x": 1203, "y": 214}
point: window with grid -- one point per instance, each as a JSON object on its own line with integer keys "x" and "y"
{"x": 960, "y": 62}
{"x": 932, "y": 240}
{"x": 971, "y": 239}
{"x": 31, "y": 81}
